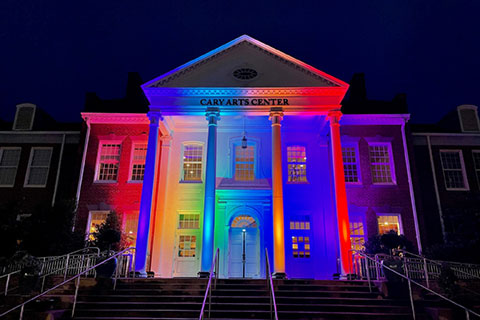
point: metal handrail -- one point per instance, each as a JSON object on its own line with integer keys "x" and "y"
{"x": 9, "y": 275}
{"x": 410, "y": 281}
{"x": 77, "y": 285}
{"x": 270, "y": 287}
{"x": 208, "y": 291}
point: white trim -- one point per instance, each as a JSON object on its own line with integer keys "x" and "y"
{"x": 398, "y": 215}
{"x": 27, "y": 175}
{"x": 391, "y": 162}
{"x": 115, "y": 118}
{"x": 467, "y": 107}
{"x": 410, "y": 189}
{"x": 16, "y": 166}
{"x": 477, "y": 171}
{"x": 437, "y": 193}
{"x": 182, "y": 175}
{"x": 464, "y": 173}
{"x": 374, "y": 119}
{"x": 97, "y": 162}
{"x": 82, "y": 167}
{"x": 59, "y": 166}
{"x": 24, "y": 105}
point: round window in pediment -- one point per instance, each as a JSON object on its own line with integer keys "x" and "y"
{"x": 245, "y": 74}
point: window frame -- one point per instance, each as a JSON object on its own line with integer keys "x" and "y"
{"x": 477, "y": 171}
{"x": 89, "y": 221}
{"x": 462, "y": 164}
{"x": 391, "y": 163}
{"x": 29, "y": 167}
{"x": 306, "y": 164}
{"x": 24, "y": 105}
{"x": 255, "y": 156}
{"x": 132, "y": 153}
{"x": 358, "y": 219}
{"x": 459, "y": 113}
{"x": 398, "y": 215}
{"x": 97, "y": 163}
{"x": 179, "y": 213}
{"x": 16, "y": 167}
{"x": 357, "y": 163}
{"x": 182, "y": 170}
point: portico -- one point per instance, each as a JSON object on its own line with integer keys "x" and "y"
{"x": 202, "y": 89}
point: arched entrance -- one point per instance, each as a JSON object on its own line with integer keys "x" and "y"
{"x": 244, "y": 248}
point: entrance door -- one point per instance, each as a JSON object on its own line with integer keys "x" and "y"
{"x": 244, "y": 249}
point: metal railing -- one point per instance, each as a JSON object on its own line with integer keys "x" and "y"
{"x": 7, "y": 280}
{"x": 208, "y": 291}
{"x": 362, "y": 265}
{"x": 77, "y": 279}
{"x": 268, "y": 276}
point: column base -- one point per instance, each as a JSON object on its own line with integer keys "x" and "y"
{"x": 279, "y": 275}
{"x": 203, "y": 274}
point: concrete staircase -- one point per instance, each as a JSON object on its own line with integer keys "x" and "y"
{"x": 238, "y": 299}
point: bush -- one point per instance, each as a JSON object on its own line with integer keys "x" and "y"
{"x": 109, "y": 235}
{"x": 387, "y": 242}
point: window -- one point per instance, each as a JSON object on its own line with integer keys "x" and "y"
{"x": 192, "y": 162}
{"x": 244, "y": 163}
{"x": 357, "y": 235}
{"x": 108, "y": 162}
{"x": 24, "y": 116}
{"x": 302, "y": 223}
{"x": 187, "y": 246}
{"x": 139, "y": 154}
{"x": 468, "y": 118}
{"x": 350, "y": 164}
{"x": 244, "y": 221}
{"x": 476, "y": 161}
{"x": 381, "y": 164}
{"x": 387, "y": 223}
{"x": 188, "y": 221}
{"x": 38, "y": 167}
{"x": 301, "y": 247}
{"x": 95, "y": 221}
{"x": 297, "y": 164}
{"x": 131, "y": 225}
{"x": 9, "y": 158}
{"x": 453, "y": 170}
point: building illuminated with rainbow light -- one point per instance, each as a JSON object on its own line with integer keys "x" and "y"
{"x": 245, "y": 149}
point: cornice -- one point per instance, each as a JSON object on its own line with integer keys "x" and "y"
{"x": 115, "y": 118}
{"x": 374, "y": 119}
{"x": 248, "y": 92}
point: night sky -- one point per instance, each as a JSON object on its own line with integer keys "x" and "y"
{"x": 52, "y": 52}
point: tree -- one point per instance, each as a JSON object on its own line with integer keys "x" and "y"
{"x": 386, "y": 242}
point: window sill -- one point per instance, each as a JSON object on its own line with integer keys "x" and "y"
{"x": 34, "y": 186}
{"x": 105, "y": 181}
{"x": 390, "y": 184}
{"x": 354, "y": 184}
{"x": 6, "y": 186}
{"x": 298, "y": 182}
{"x": 135, "y": 181}
{"x": 190, "y": 182}
{"x": 457, "y": 189}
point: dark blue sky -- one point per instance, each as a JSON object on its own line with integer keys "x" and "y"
{"x": 52, "y": 52}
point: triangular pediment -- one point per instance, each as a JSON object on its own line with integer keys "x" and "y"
{"x": 245, "y": 62}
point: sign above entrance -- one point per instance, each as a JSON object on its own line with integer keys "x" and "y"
{"x": 244, "y": 102}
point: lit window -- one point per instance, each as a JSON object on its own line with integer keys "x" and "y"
{"x": 297, "y": 164}
{"x": 138, "y": 161}
{"x": 131, "y": 225}
{"x": 453, "y": 170}
{"x": 244, "y": 221}
{"x": 192, "y": 162}
{"x": 97, "y": 218}
{"x": 108, "y": 162}
{"x": 387, "y": 223}
{"x": 244, "y": 163}
{"x": 187, "y": 246}
{"x": 357, "y": 235}
{"x": 188, "y": 221}
{"x": 9, "y": 158}
{"x": 476, "y": 160}
{"x": 38, "y": 167}
{"x": 381, "y": 164}
{"x": 301, "y": 247}
{"x": 302, "y": 223}
{"x": 350, "y": 164}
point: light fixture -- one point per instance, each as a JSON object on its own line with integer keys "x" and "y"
{"x": 244, "y": 139}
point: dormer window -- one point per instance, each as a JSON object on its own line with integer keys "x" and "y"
{"x": 24, "y": 116}
{"x": 468, "y": 118}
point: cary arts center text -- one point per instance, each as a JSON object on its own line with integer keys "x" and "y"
{"x": 244, "y": 102}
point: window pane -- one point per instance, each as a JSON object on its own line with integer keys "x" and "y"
{"x": 192, "y": 162}
{"x": 9, "y": 159}
{"x": 350, "y": 164}
{"x": 381, "y": 164}
{"x": 138, "y": 162}
{"x": 38, "y": 167}
{"x": 188, "y": 221}
{"x": 297, "y": 164}
{"x": 388, "y": 223}
{"x": 452, "y": 169}
{"x": 244, "y": 163}
{"x": 109, "y": 162}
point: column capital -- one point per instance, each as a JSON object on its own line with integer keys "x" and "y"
{"x": 166, "y": 140}
{"x": 334, "y": 117}
{"x": 276, "y": 116}
{"x": 155, "y": 118}
{"x": 212, "y": 115}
